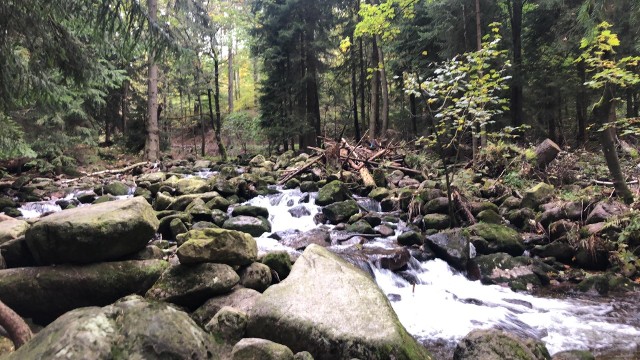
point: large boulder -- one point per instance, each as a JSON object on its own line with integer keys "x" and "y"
{"x": 537, "y": 195}
{"x": 497, "y": 238}
{"x": 520, "y": 272}
{"x": 340, "y": 211}
{"x": 107, "y": 231}
{"x": 44, "y": 293}
{"x": 116, "y": 188}
{"x": 249, "y": 210}
{"x": 191, "y": 286}
{"x": 498, "y": 345}
{"x": 256, "y": 276}
{"x": 260, "y": 349}
{"x": 192, "y": 185}
{"x": 254, "y": 226}
{"x": 308, "y": 312}
{"x": 451, "y": 246}
{"x": 12, "y": 229}
{"x": 217, "y": 245}
{"x": 332, "y": 192}
{"x": 132, "y": 328}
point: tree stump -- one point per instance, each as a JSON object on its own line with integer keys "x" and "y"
{"x": 546, "y": 152}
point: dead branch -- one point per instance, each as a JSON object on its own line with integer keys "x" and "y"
{"x": 461, "y": 204}
{"x": 301, "y": 169}
{"x": 114, "y": 171}
{"x": 18, "y": 331}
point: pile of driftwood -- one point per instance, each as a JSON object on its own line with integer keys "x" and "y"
{"x": 357, "y": 158}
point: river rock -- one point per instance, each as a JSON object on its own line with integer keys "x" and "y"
{"x": 518, "y": 272}
{"x": 451, "y": 246}
{"x": 12, "y": 229}
{"x": 116, "y": 188}
{"x": 308, "y": 186}
{"x": 438, "y": 205}
{"x": 340, "y": 211}
{"x": 177, "y": 227}
{"x": 229, "y": 324}
{"x": 44, "y": 293}
{"x": 300, "y": 241}
{"x": 573, "y": 355}
{"x": 219, "y": 203}
{"x": 279, "y": 261}
{"x": 239, "y": 298}
{"x": 16, "y": 253}
{"x": 165, "y": 224}
{"x": 308, "y": 312}
{"x": 604, "y": 210}
{"x": 249, "y": 210}
{"x": 255, "y": 226}
{"x": 217, "y": 245}
{"x": 559, "y": 249}
{"x": 436, "y": 221}
{"x": 163, "y": 201}
{"x": 260, "y": 349}
{"x": 409, "y": 238}
{"x": 499, "y": 238}
{"x": 360, "y": 227}
{"x": 198, "y": 210}
{"x": 192, "y": 185}
{"x": 181, "y": 202}
{"x": 299, "y": 211}
{"x": 3, "y": 264}
{"x": 191, "y": 286}
{"x": 101, "y": 232}
{"x": 332, "y": 192}
{"x": 498, "y": 345}
{"x": 152, "y": 178}
{"x": 256, "y": 276}
{"x": 132, "y": 328}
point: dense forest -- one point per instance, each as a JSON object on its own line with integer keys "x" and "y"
{"x": 339, "y": 179}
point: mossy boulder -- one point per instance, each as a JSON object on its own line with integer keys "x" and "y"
{"x": 279, "y": 261}
{"x": 249, "y": 210}
{"x": 360, "y": 227}
{"x": 219, "y": 203}
{"x": 229, "y": 324}
{"x": 340, "y": 211}
{"x": 498, "y": 345}
{"x": 260, "y": 349}
{"x": 217, "y": 245}
{"x": 239, "y": 298}
{"x": 192, "y": 285}
{"x": 561, "y": 250}
{"x": 499, "y": 238}
{"x": 256, "y": 276}
{"x": 192, "y": 185}
{"x": 490, "y": 216}
{"x": 163, "y": 201}
{"x": 116, "y": 188}
{"x": 537, "y": 195}
{"x": 132, "y": 328}
{"x": 308, "y": 312}
{"x": 519, "y": 272}
{"x": 332, "y": 192}
{"x": 379, "y": 194}
{"x": 181, "y": 202}
{"x": 101, "y": 232}
{"x": 12, "y": 229}
{"x": 436, "y": 221}
{"x": 409, "y": 238}
{"x": 308, "y": 186}
{"x": 574, "y": 355}
{"x": 604, "y": 284}
{"x": 152, "y": 178}
{"x": 44, "y": 293}
{"x": 255, "y": 226}
{"x": 451, "y": 246}
{"x": 437, "y": 205}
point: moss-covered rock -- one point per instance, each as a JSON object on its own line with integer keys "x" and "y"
{"x": 332, "y": 192}
{"x": 574, "y": 355}
{"x": 229, "y": 324}
{"x": 177, "y": 228}
{"x": 198, "y": 210}
{"x": 308, "y": 186}
{"x": 379, "y": 193}
{"x": 340, "y": 211}
{"x": 292, "y": 184}
{"x": 409, "y": 238}
{"x": 519, "y": 272}
{"x": 106, "y": 231}
{"x": 436, "y": 221}
{"x": 191, "y": 286}
{"x": 12, "y": 229}
{"x": 260, "y": 349}
{"x": 498, "y": 345}
{"x": 490, "y": 216}
{"x": 537, "y": 195}
{"x": 604, "y": 284}
{"x": 360, "y": 227}
{"x": 152, "y": 178}
{"x": 437, "y": 205}
{"x": 116, "y": 188}
{"x": 255, "y": 226}
{"x": 256, "y": 276}
{"x": 499, "y": 238}
{"x": 192, "y": 185}
{"x": 353, "y": 320}
{"x": 279, "y": 261}
{"x": 219, "y": 203}
{"x": 217, "y": 245}
{"x": 239, "y": 298}
{"x": 44, "y": 293}
{"x": 162, "y": 201}
{"x": 181, "y": 202}
{"x": 132, "y": 328}
{"x": 451, "y": 246}
{"x": 249, "y": 210}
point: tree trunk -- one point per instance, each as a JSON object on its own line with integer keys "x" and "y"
{"x": 354, "y": 91}
{"x": 515, "y": 17}
{"x": 413, "y": 108}
{"x": 124, "y": 106}
{"x": 362, "y": 80}
{"x": 374, "y": 116}
{"x": 231, "y": 74}
{"x": 218, "y": 124}
{"x": 152, "y": 144}
{"x": 18, "y": 331}
{"x": 604, "y": 114}
{"x": 483, "y": 127}
{"x": 581, "y": 104}
{"x": 384, "y": 85}
{"x": 546, "y": 152}
{"x": 216, "y": 130}
{"x": 202, "y": 130}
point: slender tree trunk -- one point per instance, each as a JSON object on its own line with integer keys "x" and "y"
{"x": 354, "y": 92}
{"x": 413, "y": 108}
{"x": 581, "y": 104}
{"x": 384, "y": 85}
{"x": 202, "y": 130}
{"x": 629, "y": 102}
{"x": 515, "y": 17}
{"x": 216, "y": 129}
{"x": 374, "y": 116}
{"x": 483, "y": 127}
{"x": 312, "y": 100}
{"x": 124, "y": 106}
{"x": 362, "y": 83}
{"x": 19, "y": 332}
{"x": 218, "y": 124}
{"x": 604, "y": 114}
{"x": 152, "y": 144}
{"x": 231, "y": 74}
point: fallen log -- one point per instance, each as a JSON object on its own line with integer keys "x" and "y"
{"x": 114, "y": 171}
{"x": 301, "y": 169}
{"x": 367, "y": 179}
{"x": 546, "y": 152}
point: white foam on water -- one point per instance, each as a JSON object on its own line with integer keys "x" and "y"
{"x": 280, "y": 204}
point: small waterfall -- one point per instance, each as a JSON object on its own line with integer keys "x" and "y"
{"x": 36, "y": 209}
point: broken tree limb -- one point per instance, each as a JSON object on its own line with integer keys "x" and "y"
{"x": 114, "y": 171}
{"x": 18, "y": 331}
{"x": 546, "y": 152}
{"x": 413, "y": 171}
{"x": 460, "y": 203}
{"x": 367, "y": 179}
{"x": 609, "y": 183}
{"x": 301, "y": 169}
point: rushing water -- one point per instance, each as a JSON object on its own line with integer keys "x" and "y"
{"x": 444, "y": 305}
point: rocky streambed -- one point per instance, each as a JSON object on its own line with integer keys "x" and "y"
{"x": 321, "y": 267}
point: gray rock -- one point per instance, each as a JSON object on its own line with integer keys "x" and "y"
{"x": 12, "y": 229}
{"x": 217, "y": 245}
{"x": 354, "y": 319}
{"x": 248, "y": 210}
{"x": 280, "y": 262}
{"x": 260, "y": 349}
{"x": 116, "y": 188}
{"x": 248, "y": 224}
{"x": 519, "y": 272}
{"x": 101, "y": 232}
{"x": 132, "y": 328}
{"x": 191, "y": 286}
{"x": 573, "y": 355}
{"x": 340, "y": 211}
{"x": 451, "y": 246}
{"x": 499, "y": 238}
{"x": 332, "y": 192}
{"x": 498, "y": 345}
{"x": 229, "y": 324}
{"x": 54, "y": 290}
{"x": 256, "y": 276}
{"x": 537, "y": 195}
{"x": 239, "y": 298}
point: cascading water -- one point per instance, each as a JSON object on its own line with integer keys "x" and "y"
{"x": 444, "y": 305}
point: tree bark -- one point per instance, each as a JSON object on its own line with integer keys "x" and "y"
{"x": 483, "y": 127}
{"x": 362, "y": 80}
{"x": 581, "y": 104}
{"x": 374, "y": 116}
{"x": 354, "y": 91}
{"x": 231, "y": 74}
{"x": 218, "y": 123}
{"x": 604, "y": 114}
{"x": 384, "y": 85}
{"x": 19, "y": 332}
{"x": 152, "y": 144}
{"x": 546, "y": 152}
{"x": 515, "y": 17}
{"x": 413, "y": 108}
